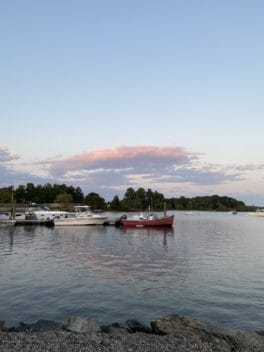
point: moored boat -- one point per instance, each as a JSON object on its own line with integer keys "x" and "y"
{"x": 258, "y": 212}
{"x": 148, "y": 220}
{"x": 81, "y": 216}
{"x": 7, "y": 223}
{"x": 39, "y": 212}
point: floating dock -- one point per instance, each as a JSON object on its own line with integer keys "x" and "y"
{"x": 34, "y": 222}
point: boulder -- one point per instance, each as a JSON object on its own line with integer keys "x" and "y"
{"x": 186, "y": 327}
{"x": 82, "y": 325}
{"x": 248, "y": 340}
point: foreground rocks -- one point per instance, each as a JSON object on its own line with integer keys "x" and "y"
{"x": 170, "y": 333}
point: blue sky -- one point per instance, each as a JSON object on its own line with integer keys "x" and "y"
{"x": 112, "y": 94}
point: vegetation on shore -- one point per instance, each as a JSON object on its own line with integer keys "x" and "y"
{"x": 133, "y": 200}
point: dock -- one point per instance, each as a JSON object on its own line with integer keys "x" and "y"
{"x": 34, "y": 222}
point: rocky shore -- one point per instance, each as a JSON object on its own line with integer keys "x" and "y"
{"x": 170, "y": 333}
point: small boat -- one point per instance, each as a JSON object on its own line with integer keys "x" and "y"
{"x": 7, "y": 223}
{"x": 258, "y": 212}
{"x": 148, "y": 222}
{"x": 81, "y": 216}
{"x": 39, "y": 212}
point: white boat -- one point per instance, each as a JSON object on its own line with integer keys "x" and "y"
{"x": 81, "y": 216}
{"x": 6, "y": 219}
{"x": 7, "y": 223}
{"x": 258, "y": 212}
{"x": 38, "y": 212}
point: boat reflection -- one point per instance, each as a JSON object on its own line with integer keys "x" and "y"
{"x": 163, "y": 230}
{"x": 152, "y": 232}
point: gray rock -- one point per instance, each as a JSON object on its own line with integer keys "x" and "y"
{"x": 186, "y": 327}
{"x": 248, "y": 340}
{"x": 82, "y": 325}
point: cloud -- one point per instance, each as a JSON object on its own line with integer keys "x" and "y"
{"x": 196, "y": 176}
{"x": 9, "y": 177}
{"x": 143, "y": 158}
{"x": 122, "y": 166}
{"x": 173, "y": 171}
{"x": 6, "y": 156}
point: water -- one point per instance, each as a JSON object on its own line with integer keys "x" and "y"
{"x": 210, "y": 266}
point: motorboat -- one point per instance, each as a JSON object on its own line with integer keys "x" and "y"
{"x": 38, "y": 212}
{"x": 81, "y": 216}
{"x": 258, "y": 212}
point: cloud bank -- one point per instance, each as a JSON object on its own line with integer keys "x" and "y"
{"x": 121, "y": 166}
{"x": 171, "y": 170}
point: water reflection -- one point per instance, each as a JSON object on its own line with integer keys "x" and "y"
{"x": 166, "y": 230}
{"x": 152, "y": 231}
{"x": 8, "y": 234}
{"x": 112, "y": 274}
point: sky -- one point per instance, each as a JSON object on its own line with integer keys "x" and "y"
{"x": 111, "y": 94}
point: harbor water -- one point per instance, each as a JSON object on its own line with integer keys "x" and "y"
{"x": 210, "y": 266}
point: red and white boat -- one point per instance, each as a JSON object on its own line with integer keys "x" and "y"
{"x": 147, "y": 221}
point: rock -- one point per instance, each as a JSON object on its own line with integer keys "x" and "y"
{"x": 82, "y": 325}
{"x": 248, "y": 340}
{"x": 136, "y": 326}
{"x": 186, "y": 327}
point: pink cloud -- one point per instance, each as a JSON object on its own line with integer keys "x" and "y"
{"x": 6, "y": 156}
{"x": 138, "y": 157}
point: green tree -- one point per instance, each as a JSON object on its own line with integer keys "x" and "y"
{"x": 130, "y": 200}
{"x": 64, "y": 199}
{"x": 20, "y": 194}
{"x": 115, "y": 204}
{"x": 95, "y": 201}
{"x": 30, "y": 193}
{"x": 6, "y": 195}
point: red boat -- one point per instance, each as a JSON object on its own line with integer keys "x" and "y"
{"x": 150, "y": 221}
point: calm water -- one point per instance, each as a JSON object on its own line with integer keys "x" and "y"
{"x": 211, "y": 267}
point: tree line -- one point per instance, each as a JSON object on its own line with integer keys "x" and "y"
{"x": 133, "y": 200}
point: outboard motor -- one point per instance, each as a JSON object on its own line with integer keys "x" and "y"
{"x": 119, "y": 222}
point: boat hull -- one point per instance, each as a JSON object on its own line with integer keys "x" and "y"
{"x": 159, "y": 222}
{"x": 80, "y": 221}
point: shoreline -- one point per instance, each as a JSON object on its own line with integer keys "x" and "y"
{"x": 169, "y": 333}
